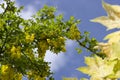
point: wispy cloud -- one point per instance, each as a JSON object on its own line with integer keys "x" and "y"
{"x": 1, "y": 10}
{"x": 60, "y": 60}
{"x": 57, "y": 60}
{"x": 28, "y": 12}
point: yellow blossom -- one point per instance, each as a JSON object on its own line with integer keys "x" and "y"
{"x": 18, "y": 76}
{"x": 4, "y": 68}
{"x": 48, "y": 40}
{"x": 13, "y": 49}
{"x": 16, "y": 52}
{"x": 30, "y": 38}
{"x": 7, "y": 72}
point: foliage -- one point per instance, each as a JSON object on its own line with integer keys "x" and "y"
{"x": 89, "y": 43}
{"x": 23, "y": 43}
{"x": 107, "y": 68}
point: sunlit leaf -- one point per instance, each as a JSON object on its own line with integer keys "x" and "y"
{"x": 97, "y": 67}
{"x": 113, "y": 19}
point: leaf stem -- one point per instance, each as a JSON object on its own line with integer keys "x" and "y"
{"x": 89, "y": 49}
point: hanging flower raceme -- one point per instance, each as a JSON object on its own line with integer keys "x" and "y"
{"x": 8, "y": 73}
{"x": 16, "y": 52}
{"x": 30, "y": 38}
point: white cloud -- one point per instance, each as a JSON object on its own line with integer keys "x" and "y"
{"x": 60, "y": 60}
{"x": 1, "y": 10}
{"x": 2, "y": 1}
{"x": 57, "y": 60}
{"x": 28, "y": 12}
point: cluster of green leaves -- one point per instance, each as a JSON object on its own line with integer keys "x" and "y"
{"x": 23, "y": 43}
{"x": 89, "y": 44}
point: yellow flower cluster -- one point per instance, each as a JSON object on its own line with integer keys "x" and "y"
{"x": 74, "y": 33}
{"x": 58, "y": 41}
{"x": 8, "y": 73}
{"x": 42, "y": 47}
{"x": 29, "y": 52}
{"x": 29, "y": 38}
{"x": 15, "y": 52}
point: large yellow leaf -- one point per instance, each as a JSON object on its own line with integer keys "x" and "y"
{"x": 113, "y": 49}
{"x": 113, "y": 37}
{"x": 98, "y": 68}
{"x": 113, "y": 19}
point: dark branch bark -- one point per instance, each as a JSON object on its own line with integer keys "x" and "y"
{"x": 89, "y": 49}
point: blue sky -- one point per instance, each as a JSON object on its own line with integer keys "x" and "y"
{"x": 65, "y": 64}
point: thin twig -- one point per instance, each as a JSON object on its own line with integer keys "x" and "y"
{"x": 81, "y": 44}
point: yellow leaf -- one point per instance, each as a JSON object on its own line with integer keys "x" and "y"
{"x": 99, "y": 68}
{"x": 118, "y": 74}
{"x": 113, "y": 37}
{"x": 113, "y": 19}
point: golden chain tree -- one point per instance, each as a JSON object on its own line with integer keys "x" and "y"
{"x": 23, "y": 43}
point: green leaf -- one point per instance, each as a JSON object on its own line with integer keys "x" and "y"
{"x": 79, "y": 50}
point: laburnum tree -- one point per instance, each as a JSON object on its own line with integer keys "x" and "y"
{"x": 23, "y": 43}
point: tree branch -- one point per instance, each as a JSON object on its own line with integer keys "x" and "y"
{"x": 89, "y": 49}
{"x": 37, "y": 67}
